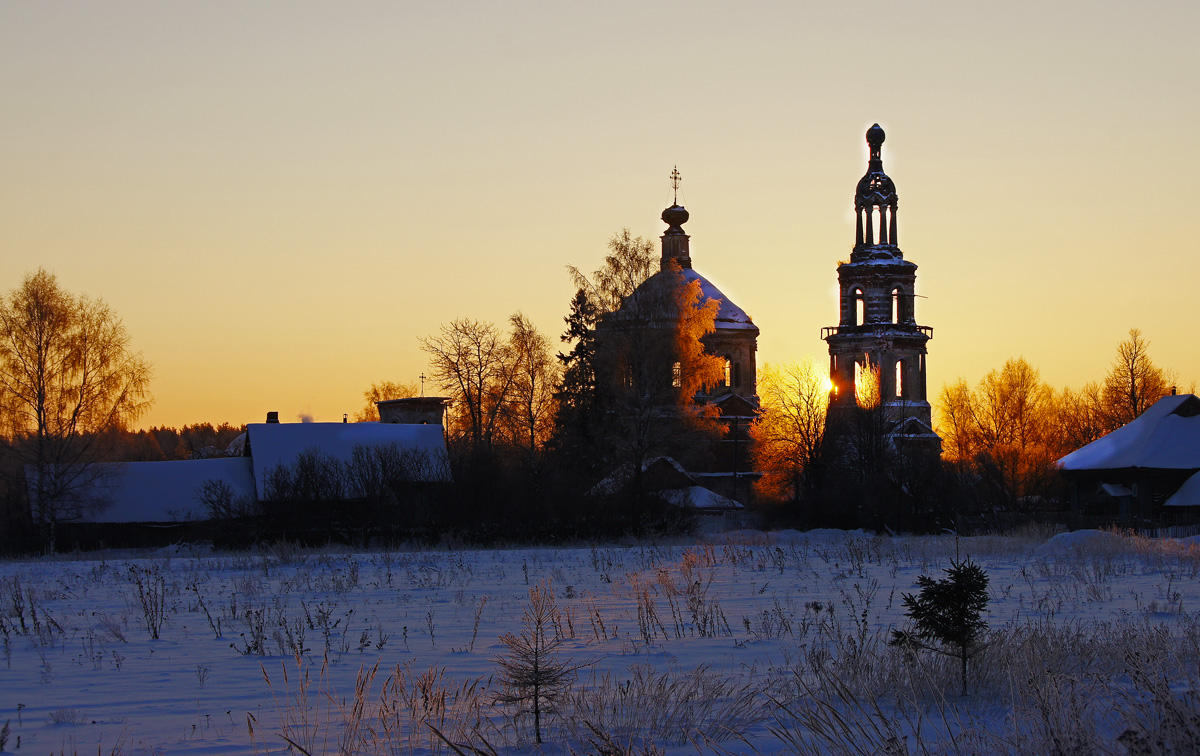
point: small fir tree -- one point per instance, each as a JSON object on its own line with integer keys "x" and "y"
{"x": 533, "y": 673}
{"x": 948, "y": 611}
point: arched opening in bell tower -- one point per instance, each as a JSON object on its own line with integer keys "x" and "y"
{"x": 866, "y": 383}
{"x": 860, "y": 306}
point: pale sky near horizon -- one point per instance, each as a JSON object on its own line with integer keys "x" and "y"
{"x": 280, "y": 198}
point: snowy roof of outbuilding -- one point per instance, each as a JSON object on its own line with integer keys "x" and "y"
{"x": 1166, "y": 437}
{"x": 166, "y": 491}
{"x": 1115, "y": 490}
{"x": 698, "y": 497}
{"x": 1188, "y": 494}
{"x": 620, "y": 477}
{"x": 274, "y": 444}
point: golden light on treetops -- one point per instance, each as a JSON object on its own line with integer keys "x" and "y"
{"x": 866, "y": 386}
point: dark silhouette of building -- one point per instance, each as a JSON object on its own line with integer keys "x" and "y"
{"x": 877, "y": 331}
{"x": 1145, "y": 473}
{"x": 724, "y": 464}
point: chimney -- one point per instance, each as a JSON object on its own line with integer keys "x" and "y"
{"x": 273, "y": 417}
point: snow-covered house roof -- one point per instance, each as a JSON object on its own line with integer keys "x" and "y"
{"x": 167, "y": 491}
{"x": 1164, "y": 437}
{"x": 274, "y": 444}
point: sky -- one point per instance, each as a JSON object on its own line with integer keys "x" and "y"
{"x": 281, "y": 198}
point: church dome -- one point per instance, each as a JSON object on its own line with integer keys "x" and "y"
{"x": 729, "y": 316}
{"x": 675, "y": 215}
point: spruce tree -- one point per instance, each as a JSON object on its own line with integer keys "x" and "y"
{"x": 948, "y": 611}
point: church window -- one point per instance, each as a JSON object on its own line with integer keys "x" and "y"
{"x": 677, "y": 375}
{"x": 896, "y": 305}
{"x": 899, "y": 379}
{"x": 726, "y": 377}
{"x": 737, "y": 374}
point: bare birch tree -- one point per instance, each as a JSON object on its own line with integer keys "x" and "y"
{"x": 1133, "y": 382}
{"x": 531, "y": 399}
{"x": 471, "y": 361}
{"x": 68, "y": 377}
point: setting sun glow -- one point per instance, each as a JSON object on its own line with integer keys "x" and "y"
{"x": 280, "y": 199}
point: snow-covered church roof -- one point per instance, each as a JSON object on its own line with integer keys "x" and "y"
{"x": 677, "y": 255}
{"x": 729, "y": 315}
{"x": 1165, "y": 437}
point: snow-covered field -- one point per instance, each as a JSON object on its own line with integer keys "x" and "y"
{"x": 740, "y": 643}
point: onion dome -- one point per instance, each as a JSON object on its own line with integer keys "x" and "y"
{"x": 875, "y": 188}
{"x": 675, "y": 216}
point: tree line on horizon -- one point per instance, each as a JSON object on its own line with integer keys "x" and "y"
{"x": 1001, "y": 438}
{"x": 561, "y": 438}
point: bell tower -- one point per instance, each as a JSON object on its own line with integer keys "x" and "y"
{"x": 877, "y": 332}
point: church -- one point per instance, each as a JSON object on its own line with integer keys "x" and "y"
{"x": 638, "y": 340}
{"x": 877, "y": 347}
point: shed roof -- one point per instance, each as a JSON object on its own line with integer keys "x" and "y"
{"x": 699, "y": 497}
{"x": 1188, "y": 494}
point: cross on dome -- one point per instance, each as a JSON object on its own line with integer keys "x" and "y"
{"x": 675, "y": 177}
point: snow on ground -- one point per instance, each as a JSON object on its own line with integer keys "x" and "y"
{"x": 740, "y": 643}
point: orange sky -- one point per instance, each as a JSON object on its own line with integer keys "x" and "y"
{"x": 280, "y": 198}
